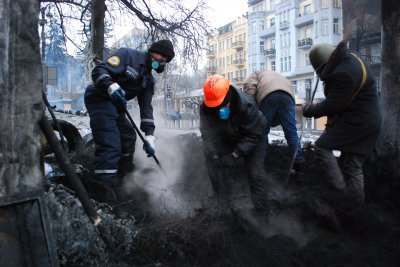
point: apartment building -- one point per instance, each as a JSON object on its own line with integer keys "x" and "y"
{"x": 281, "y": 33}
{"x": 226, "y": 53}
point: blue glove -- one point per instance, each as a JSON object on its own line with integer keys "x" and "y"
{"x": 117, "y": 94}
{"x": 149, "y": 145}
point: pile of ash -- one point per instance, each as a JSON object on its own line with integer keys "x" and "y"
{"x": 308, "y": 225}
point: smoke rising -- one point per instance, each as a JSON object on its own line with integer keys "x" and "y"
{"x": 169, "y": 189}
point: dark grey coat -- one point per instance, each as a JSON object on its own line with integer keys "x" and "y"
{"x": 357, "y": 125}
{"x": 242, "y": 131}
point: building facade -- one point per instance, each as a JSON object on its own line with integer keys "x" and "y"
{"x": 227, "y": 53}
{"x": 279, "y": 35}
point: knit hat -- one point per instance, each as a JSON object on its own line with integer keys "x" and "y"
{"x": 163, "y": 47}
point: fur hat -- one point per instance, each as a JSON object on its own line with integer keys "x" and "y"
{"x": 163, "y": 47}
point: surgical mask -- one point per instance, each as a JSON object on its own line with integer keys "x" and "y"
{"x": 224, "y": 113}
{"x": 158, "y": 66}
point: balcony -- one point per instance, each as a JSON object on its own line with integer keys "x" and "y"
{"x": 211, "y": 53}
{"x": 304, "y": 43}
{"x": 284, "y": 25}
{"x": 238, "y": 62}
{"x": 268, "y": 32}
{"x": 253, "y": 2}
{"x": 238, "y": 80}
{"x": 304, "y": 19}
{"x": 238, "y": 45}
{"x": 303, "y": 70}
{"x": 212, "y": 70}
{"x": 256, "y": 15}
{"x": 270, "y": 52}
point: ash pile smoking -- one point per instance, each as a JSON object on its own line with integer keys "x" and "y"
{"x": 185, "y": 225}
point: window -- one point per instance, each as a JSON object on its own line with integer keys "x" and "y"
{"x": 254, "y": 67}
{"x": 307, "y": 59}
{"x": 308, "y": 88}
{"x": 335, "y": 26}
{"x": 316, "y": 29}
{"x": 285, "y": 39}
{"x": 273, "y": 65}
{"x": 307, "y": 9}
{"x": 324, "y": 4}
{"x": 253, "y": 27}
{"x": 324, "y": 26}
{"x": 272, "y": 22}
{"x": 273, "y": 43}
{"x": 294, "y": 86}
{"x": 262, "y": 47}
{"x": 336, "y": 3}
{"x": 262, "y": 66}
{"x": 261, "y": 25}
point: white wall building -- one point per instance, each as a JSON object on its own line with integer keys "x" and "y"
{"x": 281, "y": 33}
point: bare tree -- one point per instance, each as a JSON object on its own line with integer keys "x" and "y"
{"x": 162, "y": 19}
{"x": 21, "y": 189}
{"x": 360, "y": 18}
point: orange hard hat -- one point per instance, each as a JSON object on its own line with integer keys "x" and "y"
{"x": 215, "y": 89}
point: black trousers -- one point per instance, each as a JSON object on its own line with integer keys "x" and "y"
{"x": 249, "y": 168}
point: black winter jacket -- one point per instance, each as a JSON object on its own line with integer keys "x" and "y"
{"x": 355, "y": 126}
{"x": 243, "y": 129}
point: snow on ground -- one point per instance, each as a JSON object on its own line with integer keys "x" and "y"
{"x": 167, "y": 128}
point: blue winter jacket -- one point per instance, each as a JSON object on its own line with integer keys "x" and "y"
{"x": 127, "y": 67}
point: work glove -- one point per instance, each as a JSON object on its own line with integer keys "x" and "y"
{"x": 216, "y": 161}
{"x": 117, "y": 94}
{"x": 306, "y": 111}
{"x": 149, "y": 145}
{"x": 229, "y": 160}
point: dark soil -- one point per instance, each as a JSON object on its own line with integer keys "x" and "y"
{"x": 309, "y": 224}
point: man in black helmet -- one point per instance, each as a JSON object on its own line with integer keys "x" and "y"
{"x": 354, "y": 119}
{"x": 126, "y": 74}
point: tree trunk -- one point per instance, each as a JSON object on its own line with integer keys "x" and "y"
{"x": 389, "y": 143}
{"x": 20, "y": 101}
{"x": 26, "y": 238}
{"x": 97, "y": 28}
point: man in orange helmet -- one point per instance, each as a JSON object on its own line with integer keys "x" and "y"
{"x": 232, "y": 130}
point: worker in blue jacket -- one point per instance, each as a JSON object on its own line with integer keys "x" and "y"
{"x": 124, "y": 75}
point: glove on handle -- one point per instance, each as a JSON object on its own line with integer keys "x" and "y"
{"x": 149, "y": 145}
{"x": 117, "y": 93}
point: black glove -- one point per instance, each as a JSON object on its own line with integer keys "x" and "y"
{"x": 216, "y": 161}
{"x": 307, "y": 111}
{"x": 228, "y": 160}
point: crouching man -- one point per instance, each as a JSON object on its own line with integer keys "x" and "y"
{"x": 232, "y": 129}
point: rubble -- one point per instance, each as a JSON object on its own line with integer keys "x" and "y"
{"x": 309, "y": 224}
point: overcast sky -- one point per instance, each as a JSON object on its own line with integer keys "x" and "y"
{"x": 225, "y": 11}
